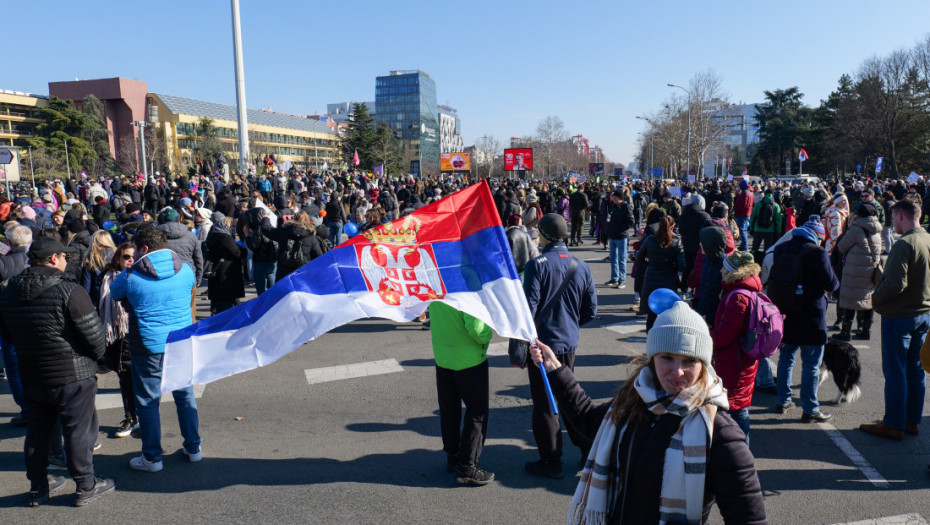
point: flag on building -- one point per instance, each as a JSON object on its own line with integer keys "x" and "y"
{"x": 454, "y": 250}
{"x": 355, "y": 158}
{"x": 878, "y": 164}
{"x": 802, "y": 155}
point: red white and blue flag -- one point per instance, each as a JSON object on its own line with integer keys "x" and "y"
{"x": 802, "y": 155}
{"x": 745, "y": 171}
{"x": 454, "y": 250}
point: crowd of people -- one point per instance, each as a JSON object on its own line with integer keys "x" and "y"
{"x": 98, "y": 271}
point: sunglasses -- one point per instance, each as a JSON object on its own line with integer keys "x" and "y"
{"x": 128, "y": 257}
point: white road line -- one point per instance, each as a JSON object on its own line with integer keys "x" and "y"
{"x": 335, "y": 373}
{"x": 903, "y": 519}
{"x": 105, "y": 401}
{"x": 863, "y": 347}
{"x": 497, "y": 349}
{"x": 627, "y": 327}
{"x": 855, "y": 456}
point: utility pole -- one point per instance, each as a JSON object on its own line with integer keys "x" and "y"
{"x": 243, "y": 122}
{"x": 688, "y": 168}
{"x": 68, "y": 158}
{"x": 32, "y": 169}
{"x": 145, "y": 167}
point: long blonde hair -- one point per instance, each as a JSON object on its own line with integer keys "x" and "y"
{"x": 101, "y": 251}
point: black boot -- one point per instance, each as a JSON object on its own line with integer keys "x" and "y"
{"x": 864, "y": 332}
{"x": 844, "y": 330}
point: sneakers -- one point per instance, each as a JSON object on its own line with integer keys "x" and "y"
{"x": 815, "y": 417}
{"x": 2, "y": 374}
{"x": 140, "y": 463}
{"x": 473, "y": 476}
{"x": 611, "y": 283}
{"x": 621, "y": 286}
{"x": 101, "y": 487}
{"x": 193, "y": 457}
{"x": 881, "y": 430}
{"x": 40, "y": 496}
{"x": 97, "y": 446}
{"x": 545, "y": 468}
{"x": 863, "y": 335}
{"x": 126, "y": 427}
{"x": 57, "y": 462}
{"x": 781, "y": 409}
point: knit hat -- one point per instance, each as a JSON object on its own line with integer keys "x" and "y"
{"x": 531, "y": 198}
{"x": 815, "y": 225}
{"x": 185, "y": 201}
{"x": 168, "y": 215}
{"x": 514, "y": 219}
{"x": 808, "y": 191}
{"x": 29, "y": 213}
{"x": 204, "y": 213}
{"x": 217, "y": 216}
{"x": 737, "y": 260}
{"x": 698, "y": 201}
{"x": 552, "y": 226}
{"x": 743, "y": 184}
{"x": 680, "y": 331}
{"x": 866, "y": 209}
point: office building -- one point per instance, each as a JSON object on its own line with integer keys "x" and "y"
{"x": 450, "y": 132}
{"x": 340, "y": 111}
{"x": 19, "y": 116}
{"x": 406, "y": 102}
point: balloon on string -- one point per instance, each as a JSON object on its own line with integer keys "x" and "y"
{"x": 351, "y": 229}
{"x": 662, "y": 299}
{"x": 107, "y": 225}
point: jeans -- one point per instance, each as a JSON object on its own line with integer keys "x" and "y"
{"x": 12, "y": 375}
{"x": 618, "y": 260}
{"x": 741, "y": 417}
{"x": 335, "y": 233}
{"x": 146, "y": 382}
{"x": 764, "y": 376}
{"x": 811, "y": 355}
{"x": 264, "y": 273}
{"x": 905, "y": 382}
{"x": 743, "y": 224}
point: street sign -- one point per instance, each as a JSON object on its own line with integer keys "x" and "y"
{"x": 6, "y": 156}
{"x": 657, "y": 173}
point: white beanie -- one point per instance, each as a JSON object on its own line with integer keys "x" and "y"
{"x": 680, "y": 331}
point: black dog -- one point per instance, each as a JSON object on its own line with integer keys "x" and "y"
{"x": 841, "y": 360}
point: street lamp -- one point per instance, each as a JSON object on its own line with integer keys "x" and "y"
{"x": 688, "y": 168}
{"x": 651, "y": 144}
{"x": 67, "y": 157}
{"x": 141, "y": 125}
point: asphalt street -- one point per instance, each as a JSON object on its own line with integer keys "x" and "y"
{"x": 313, "y": 439}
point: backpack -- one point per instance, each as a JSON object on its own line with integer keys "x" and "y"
{"x": 765, "y": 326}
{"x": 766, "y": 215}
{"x": 292, "y": 255}
{"x": 784, "y": 285}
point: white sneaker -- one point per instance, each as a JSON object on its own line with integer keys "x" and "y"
{"x": 193, "y": 457}
{"x": 140, "y": 463}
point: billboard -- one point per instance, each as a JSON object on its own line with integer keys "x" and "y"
{"x": 518, "y": 159}
{"x": 455, "y": 162}
{"x": 596, "y": 168}
{"x": 9, "y": 165}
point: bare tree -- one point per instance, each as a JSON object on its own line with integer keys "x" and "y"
{"x": 487, "y": 148}
{"x": 709, "y": 110}
{"x": 551, "y": 136}
{"x": 47, "y": 163}
{"x": 128, "y": 154}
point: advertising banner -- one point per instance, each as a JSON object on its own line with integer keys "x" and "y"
{"x": 518, "y": 159}
{"x": 455, "y": 162}
{"x": 596, "y": 168}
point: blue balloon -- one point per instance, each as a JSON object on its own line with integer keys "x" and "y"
{"x": 107, "y": 225}
{"x": 662, "y": 299}
{"x": 351, "y": 229}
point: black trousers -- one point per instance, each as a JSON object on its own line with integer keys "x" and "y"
{"x": 74, "y": 404}
{"x": 464, "y": 439}
{"x": 863, "y": 317}
{"x": 577, "y": 226}
{"x": 117, "y": 359}
{"x": 546, "y": 428}
{"x": 766, "y": 239}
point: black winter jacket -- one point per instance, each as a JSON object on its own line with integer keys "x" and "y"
{"x": 182, "y": 242}
{"x": 659, "y": 267}
{"x": 309, "y": 245}
{"x": 731, "y": 479}
{"x": 619, "y": 221}
{"x": 226, "y": 256}
{"x": 692, "y": 220}
{"x": 13, "y": 263}
{"x": 54, "y": 327}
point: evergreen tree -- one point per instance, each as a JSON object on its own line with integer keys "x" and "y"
{"x": 362, "y": 137}
{"x": 61, "y": 122}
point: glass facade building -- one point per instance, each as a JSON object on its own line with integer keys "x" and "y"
{"x": 406, "y": 102}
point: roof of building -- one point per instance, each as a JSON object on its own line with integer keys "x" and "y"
{"x": 200, "y": 108}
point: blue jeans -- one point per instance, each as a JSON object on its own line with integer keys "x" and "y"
{"x": 12, "y": 374}
{"x": 618, "y": 260}
{"x": 146, "y": 382}
{"x": 741, "y": 417}
{"x": 905, "y": 382}
{"x": 743, "y": 224}
{"x": 335, "y": 233}
{"x": 264, "y": 273}
{"x": 811, "y": 355}
{"x": 764, "y": 376}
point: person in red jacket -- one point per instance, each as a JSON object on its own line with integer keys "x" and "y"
{"x": 735, "y": 368}
{"x": 742, "y": 210}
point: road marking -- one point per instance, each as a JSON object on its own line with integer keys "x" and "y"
{"x": 863, "y": 347}
{"x": 105, "y": 401}
{"x": 335, "y": 373}
{"x": 903, "y": 519}
{"x": 627, "y": 327}
{"x": 497, "y": 349}
{"x": 855, "y": 456}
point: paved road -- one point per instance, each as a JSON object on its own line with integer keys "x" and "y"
{"x": 310, "y": 439}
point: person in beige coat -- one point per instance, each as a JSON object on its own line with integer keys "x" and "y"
{"x": 861, "y": 247}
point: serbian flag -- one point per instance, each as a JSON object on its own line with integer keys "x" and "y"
{"x": 454, "y": 250}
{"x": 355, "y": 158}
{"x": 802, "y": 155}
{"x": 745, "y": 171}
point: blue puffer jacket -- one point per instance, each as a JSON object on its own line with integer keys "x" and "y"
{"x": 158, "y": 289}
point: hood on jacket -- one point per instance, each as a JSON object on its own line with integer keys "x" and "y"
{"x": 173, "y": 230}
{"x": 33, "y": 281}
{"x": 869, "y": 224}
{"x": 746, "y": 273}
{"x": 158, "y": 265}
{"x": 713, "y": 242}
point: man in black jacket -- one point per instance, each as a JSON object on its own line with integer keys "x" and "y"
{"x": 619, "y": 229}
{"x": 58, "y": 338}
{"x": 693, "y": 220}
{"x": 577, "y": 204}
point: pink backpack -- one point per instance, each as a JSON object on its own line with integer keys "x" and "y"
{"x": 765, "y": 326}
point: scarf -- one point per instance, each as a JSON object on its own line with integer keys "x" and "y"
{"x": 114, "y": 316}
{"x": 682, "y": 496}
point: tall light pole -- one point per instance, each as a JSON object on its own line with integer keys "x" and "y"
{"x": 243, "y": 121}
{"x": 67, "y": 158}
{"x": 651, "y": 144}
{"x": 145, "y": 168}
{"x": 32, "y": 169}
{"x": 688, "y": 168}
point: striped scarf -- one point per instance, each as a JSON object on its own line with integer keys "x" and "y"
{"x": 682, "y": 497}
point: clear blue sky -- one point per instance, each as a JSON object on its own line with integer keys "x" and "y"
{"x": 503, "y": 64}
